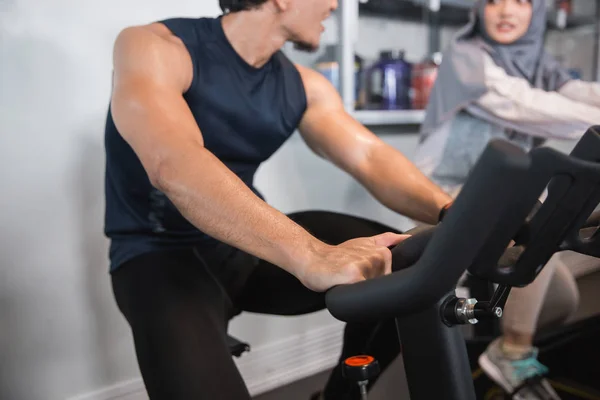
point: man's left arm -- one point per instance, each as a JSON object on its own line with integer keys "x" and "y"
{"x": 385, "y": 172}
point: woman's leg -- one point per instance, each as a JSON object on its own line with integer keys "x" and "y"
{"x": 522, "y": 310}
{"x": 562, "y": 297}
{"x": 511, "y": 360}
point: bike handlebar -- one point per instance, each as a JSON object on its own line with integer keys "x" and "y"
{"x": 497, "y": 179}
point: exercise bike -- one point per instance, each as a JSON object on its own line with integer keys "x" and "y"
{"x": 568, "y": 350}
{"x": 491, "y": 210}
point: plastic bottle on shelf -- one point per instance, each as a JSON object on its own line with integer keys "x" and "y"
{"x": 423, "y": 77}
{"x": 564, "y": 8}
{"x": 388, "y": 82}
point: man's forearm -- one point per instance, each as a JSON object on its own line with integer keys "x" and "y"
{"x": 218, "y": 203}
{"x": 398, "y": 184}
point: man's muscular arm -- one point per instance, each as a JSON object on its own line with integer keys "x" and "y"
{"x": 152, "y": 71}
{"x": 385, "y": 172}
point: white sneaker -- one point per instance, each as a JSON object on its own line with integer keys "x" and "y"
{"x": 523, "y": 378}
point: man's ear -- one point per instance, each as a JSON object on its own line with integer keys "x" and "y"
{"x": 226, "y": 4}
{"x": 282, "y": 5}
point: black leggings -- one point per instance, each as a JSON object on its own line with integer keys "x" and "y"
{"x": 178, "y": 304}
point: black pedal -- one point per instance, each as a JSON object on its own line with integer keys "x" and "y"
{"x": 237, "y": 347}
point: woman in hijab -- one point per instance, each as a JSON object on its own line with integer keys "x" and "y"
{"x": 496, "y": 81}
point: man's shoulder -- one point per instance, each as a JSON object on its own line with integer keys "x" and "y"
{"x": 153, "y": 38}
{"x": 316, "y": 86}
{"x": 152, "y": 51}
{"x": 154, "y": 33}
{"x": 171, "y": 30}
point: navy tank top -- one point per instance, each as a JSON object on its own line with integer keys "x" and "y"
{"x": 244, "y": 113}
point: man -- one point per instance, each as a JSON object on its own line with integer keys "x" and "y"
{"x": 197, "y": 105}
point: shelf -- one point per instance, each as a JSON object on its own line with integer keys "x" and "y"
{"x": 452, "y": 12}
{"x": 392, "y": 117}
{"x": 573, "y": 21}
{"x": 449, "y": 15}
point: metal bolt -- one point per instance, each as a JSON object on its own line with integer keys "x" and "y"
{"x": 498, "y": 312}
{"x": 470, "y": 311}
{"x": 363, "y": 389}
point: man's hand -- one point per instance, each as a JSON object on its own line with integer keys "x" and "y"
{"x": 350, "y": 262}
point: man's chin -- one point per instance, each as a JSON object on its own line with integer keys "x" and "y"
{"x": 305, "y": 47}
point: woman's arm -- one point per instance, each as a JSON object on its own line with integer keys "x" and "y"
{"x": 582, "y": 91}
{"x": 512, "y": 102}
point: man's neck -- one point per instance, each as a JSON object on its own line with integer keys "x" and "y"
{"x": 255, "y": 35}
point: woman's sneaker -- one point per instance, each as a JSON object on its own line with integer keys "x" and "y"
{"x": 524, "y": 377}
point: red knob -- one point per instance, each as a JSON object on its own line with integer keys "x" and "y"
{"x": 360, "y": 368}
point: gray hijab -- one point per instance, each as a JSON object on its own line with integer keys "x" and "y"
{"x": 461, "y": 77}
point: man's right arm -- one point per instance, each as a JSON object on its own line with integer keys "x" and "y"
{"x": 152, "y": 70}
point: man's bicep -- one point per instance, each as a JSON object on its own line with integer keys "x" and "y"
{"x": 326, "y": 126}
{"x": 146, "y": 112}
{"x": 336, "y": 136}
{"x": 312, "y": 131}
{"x": 148, "y": 107}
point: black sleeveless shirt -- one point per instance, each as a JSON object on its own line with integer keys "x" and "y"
{"x": 244, "y": 113}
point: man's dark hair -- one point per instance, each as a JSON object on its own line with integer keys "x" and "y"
{"x": 239, "y": 5}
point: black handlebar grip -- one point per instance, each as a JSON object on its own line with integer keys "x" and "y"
{"x": 588, "y": 147}
{"x": 408, "y": 252}
{"x": 593, "y": 220}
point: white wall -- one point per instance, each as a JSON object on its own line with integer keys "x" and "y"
{"x": 60, "y": 332}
